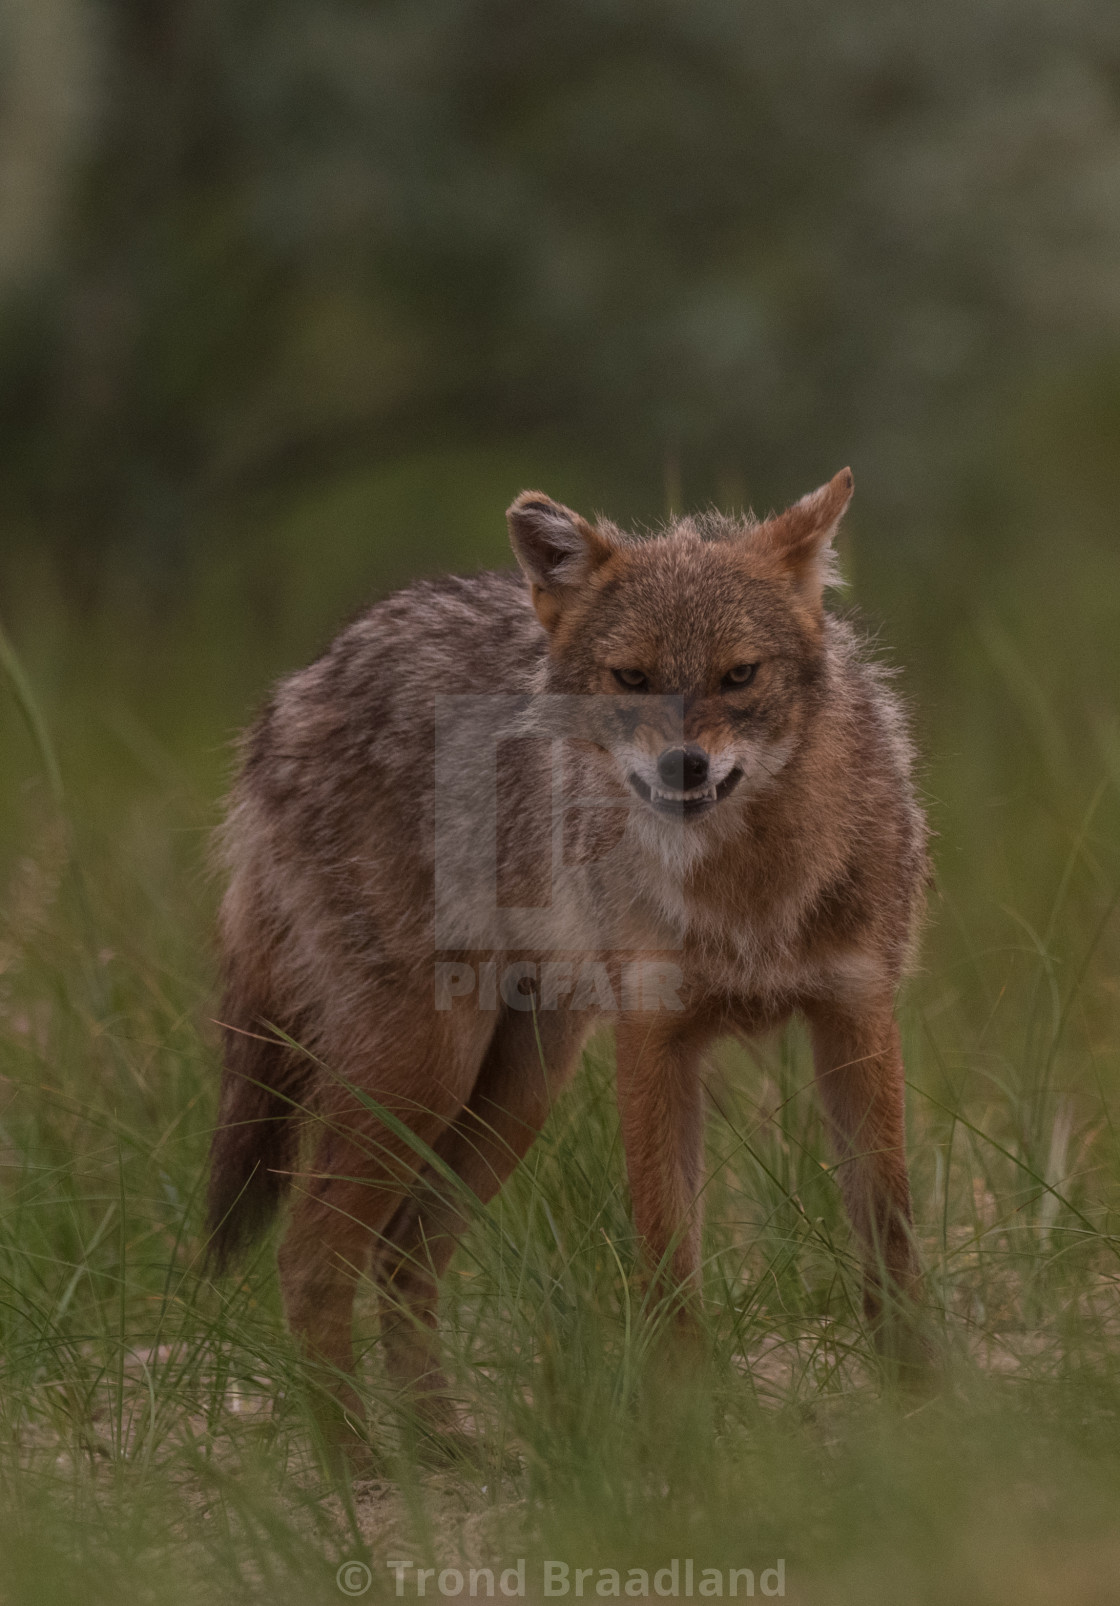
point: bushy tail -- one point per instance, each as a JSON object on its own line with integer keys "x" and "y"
{"x": 254, "y": 1146}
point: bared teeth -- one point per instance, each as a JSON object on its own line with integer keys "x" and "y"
{"x": 695, "y": 796}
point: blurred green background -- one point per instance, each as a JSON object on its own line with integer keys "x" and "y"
{"x": 293, "y": 299}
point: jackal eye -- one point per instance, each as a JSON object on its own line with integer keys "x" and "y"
{"x": 740, "y": 675}
{"x": 632, "y": 679}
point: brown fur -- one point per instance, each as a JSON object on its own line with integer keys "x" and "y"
{"x": 797, "y": 890}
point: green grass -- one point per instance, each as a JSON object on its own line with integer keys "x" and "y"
{"x": 154, "y": 1442}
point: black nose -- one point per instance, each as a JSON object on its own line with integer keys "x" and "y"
{"x": 682, "y": 768}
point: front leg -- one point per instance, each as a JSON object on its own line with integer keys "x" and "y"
{"x": 860, "y": 1078}
{"x": 661, "y": 1102}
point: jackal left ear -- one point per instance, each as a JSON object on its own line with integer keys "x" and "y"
{"x": 801, "y": 537}
{"x": 557, "y": 549}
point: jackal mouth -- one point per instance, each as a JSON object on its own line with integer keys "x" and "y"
{"x": 686, "y": 805}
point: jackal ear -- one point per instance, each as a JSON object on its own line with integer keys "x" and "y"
{"x": 557, "y": 549}
{"x": 801, "y": 537}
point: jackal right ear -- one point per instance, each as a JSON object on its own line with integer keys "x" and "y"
{"x": 557, "y": 549}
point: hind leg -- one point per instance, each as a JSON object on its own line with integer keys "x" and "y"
{"x": 320, "y": 1261}
{"x": 528, "y": 1062}
{"x": 359, "y": 1173}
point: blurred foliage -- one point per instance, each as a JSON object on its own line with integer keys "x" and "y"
{"x": 703, "y": 250}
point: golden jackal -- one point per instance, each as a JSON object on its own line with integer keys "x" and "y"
{"x": 649, "y": 781}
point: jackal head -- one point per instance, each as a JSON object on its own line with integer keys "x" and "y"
{"x": 708, "y": 638}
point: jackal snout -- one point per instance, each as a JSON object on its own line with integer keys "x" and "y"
{"x": 682, "y": 779}
{"x": 683, "y": 768}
